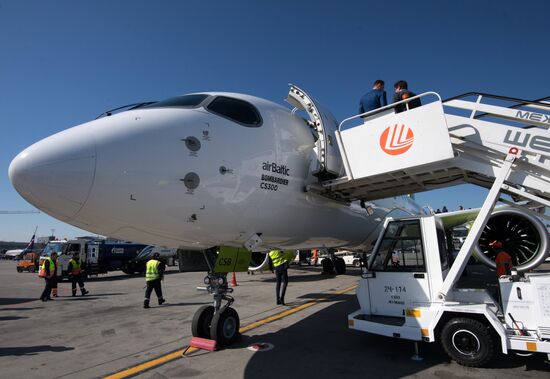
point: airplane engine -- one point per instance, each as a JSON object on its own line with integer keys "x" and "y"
{"x": 523, "y": 236}
{"x": 259, "y": 262}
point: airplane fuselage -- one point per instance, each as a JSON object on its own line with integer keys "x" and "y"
{"x": 194, "y": 177}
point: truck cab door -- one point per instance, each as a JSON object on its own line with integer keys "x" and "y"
{"x": 399, "y": 279}
{"x": 92, "y": 255}
{"x": 327, "y": 162}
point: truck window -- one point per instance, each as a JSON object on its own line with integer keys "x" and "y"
{"x": 401, "y": 248}
{"x": 442, "y": 244}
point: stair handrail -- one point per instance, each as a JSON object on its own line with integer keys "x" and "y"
{"x": 389, "y": 106}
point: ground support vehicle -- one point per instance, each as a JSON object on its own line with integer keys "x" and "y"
{"x": 28, "y": 263}
{"x": 409, "y": 289}
{"x": 137, "y": 265}
{"x": 98, "y": 256}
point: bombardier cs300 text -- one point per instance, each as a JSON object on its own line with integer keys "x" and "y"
{"x": 202, "y": 170}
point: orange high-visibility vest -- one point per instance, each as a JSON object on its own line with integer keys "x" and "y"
{"x": 503, "y": 263}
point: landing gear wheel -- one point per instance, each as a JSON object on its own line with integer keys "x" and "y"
{"x": 200, "y": 327}
{"x": 340, "y": 266}
{"x": 225, "y": 327}
{"x": 468, "y": 342}
{"x": 31, "y": 268}
{"x": 328, "y": 266}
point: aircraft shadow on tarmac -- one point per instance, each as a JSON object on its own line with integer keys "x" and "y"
{"x": 31, "y": 350}
{"x": 11, "y": 318}
{"x": 20, "y": 309}
{"x": 322, "y": 343}
{"x": 14, "y": 300}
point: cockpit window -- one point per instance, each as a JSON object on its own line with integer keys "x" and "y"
{"x": 236, "y": 110}
{"x": 185, "y": 101}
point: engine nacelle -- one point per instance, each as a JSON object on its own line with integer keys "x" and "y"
{"x": 259, "y": 262}
{"x": 523, "y": 236}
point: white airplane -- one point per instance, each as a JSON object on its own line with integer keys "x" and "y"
{"x": 203, "y": 170}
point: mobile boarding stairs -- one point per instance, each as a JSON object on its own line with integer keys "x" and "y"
{"x": 466, "y": 139}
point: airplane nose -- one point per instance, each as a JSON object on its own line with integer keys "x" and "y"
{"x": 56, "y": 174}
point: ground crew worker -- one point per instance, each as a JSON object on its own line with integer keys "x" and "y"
{"x": 314, "y": 257}
{"x": 503, "y": 260}
{"x": 281, "y": 262}
{"x": 48, "y": 271}
{"x": 76, "y": 275}
{"x": 154, "y": 273}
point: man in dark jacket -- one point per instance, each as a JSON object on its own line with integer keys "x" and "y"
{"x": 373, "y": 99}
{"x": 402, "y": 93}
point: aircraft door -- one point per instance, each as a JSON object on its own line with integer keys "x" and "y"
{"x": 400, "y": 280}
{"x": 328, "y": 162}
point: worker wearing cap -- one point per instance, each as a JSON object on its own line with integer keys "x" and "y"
{"x": 48, "y": 271}
{"x": 503, "y": 260}
{"x": 76, "y": 274}
{"x": 154, "y": 273}
{"x": 281, "y": 262}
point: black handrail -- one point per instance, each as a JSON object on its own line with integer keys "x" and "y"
{"x": 506, "y": 98}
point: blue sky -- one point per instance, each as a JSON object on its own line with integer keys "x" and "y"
{"x": 65, "y": 62}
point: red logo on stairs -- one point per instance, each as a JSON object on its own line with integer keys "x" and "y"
{"x": 396, "y": 140}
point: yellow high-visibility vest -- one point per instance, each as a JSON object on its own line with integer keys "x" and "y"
{"x": 278, "y": 257}
{"x": 75, "y": 267}
{"x": 42, "y": 271}
{"x": 152, "y": 270}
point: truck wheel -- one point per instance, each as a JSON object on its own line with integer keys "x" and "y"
{"x": 328, "y": 266}
{"x": 340, "y": 266}
{"x": 468, "y": 342}
{"x": 31, "y": 268}
{"x": 200, "y": 327}
{"x": 225, "y": 327}
{"x": 19, "y": 269}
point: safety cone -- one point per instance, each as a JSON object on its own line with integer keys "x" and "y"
{"x": 234, "y": 280}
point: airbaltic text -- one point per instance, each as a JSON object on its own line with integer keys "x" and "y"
{"x": 275, "y": 168}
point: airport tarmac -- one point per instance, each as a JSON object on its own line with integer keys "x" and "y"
{"x": 109, "y": 333}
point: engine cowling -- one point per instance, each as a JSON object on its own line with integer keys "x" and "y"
{"x": 259, "y": 262}
{"x": 523, "y": 236}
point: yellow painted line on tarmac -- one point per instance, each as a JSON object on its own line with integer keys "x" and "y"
{"x": 178, "y": 353}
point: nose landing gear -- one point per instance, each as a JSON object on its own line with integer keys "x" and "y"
{"x": 217, "y": 322}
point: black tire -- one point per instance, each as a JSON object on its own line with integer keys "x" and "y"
{"x": 200, "y": 327}
{"x": 19, "y": 269}
{"x": 468, "y": 342}
{"x": 328, "y": 266}
{"x": 31, "y": 268}
{"x": 225, "y": 327}
{"x": 340, "y": 266}
{"x": 357, "y": 263}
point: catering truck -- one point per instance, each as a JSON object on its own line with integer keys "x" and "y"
{"x": 98, "y": 256}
